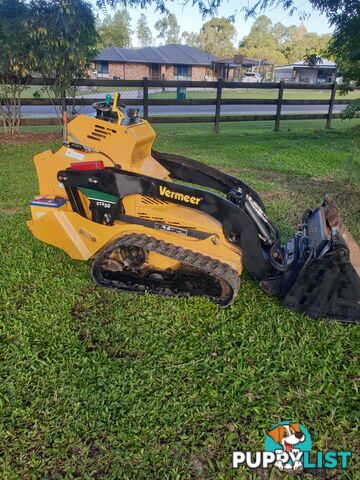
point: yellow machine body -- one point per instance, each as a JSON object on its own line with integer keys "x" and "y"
{"x": 130, "y": 147}
{"x": 149, "y": 226}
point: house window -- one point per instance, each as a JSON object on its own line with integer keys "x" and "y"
{"x": 182, "y": 72}
{"x": 102, "y": 67}
{"x": 155, "y": 71}
{"x": 324, "y": 76}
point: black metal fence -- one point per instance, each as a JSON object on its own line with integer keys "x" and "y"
{"x": 192, "y": 101}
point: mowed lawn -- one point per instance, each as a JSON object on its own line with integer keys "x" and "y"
{"x": 256, "y": 93}
{"x": 210, "y": 93}
{"x": 102, "y": 385}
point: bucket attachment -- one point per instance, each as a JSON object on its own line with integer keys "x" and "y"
{"x": 328, "y": 282}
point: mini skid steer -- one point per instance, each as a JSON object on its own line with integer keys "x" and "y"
{"x": 152, "y": 222}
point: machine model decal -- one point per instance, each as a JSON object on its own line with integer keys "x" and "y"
{"x": 171, "y": 229}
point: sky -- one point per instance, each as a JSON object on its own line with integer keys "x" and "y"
{"x": 190, "y": 19}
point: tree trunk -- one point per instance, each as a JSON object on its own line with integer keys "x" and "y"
{"x": 3, "y": 107}
{"x": 64, "y": 115}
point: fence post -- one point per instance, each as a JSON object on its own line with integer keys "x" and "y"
{"x": 218, "y": 106}
{"x": 331, "y": 105}
{"x": 146, "y": 97}
{"x": 279, "y": 106}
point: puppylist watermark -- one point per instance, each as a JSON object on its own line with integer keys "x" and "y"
{"x": 288, "y": 446}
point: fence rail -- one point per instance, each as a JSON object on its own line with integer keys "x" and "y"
{"x": 226, "y": 104}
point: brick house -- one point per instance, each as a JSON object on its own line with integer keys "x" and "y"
{"x": 168, "y": 62}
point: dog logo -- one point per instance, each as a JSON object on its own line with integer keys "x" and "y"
{"x": 288, "y": 447}
{"x": 291, "y": 439}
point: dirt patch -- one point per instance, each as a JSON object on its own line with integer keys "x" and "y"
{"x": 91, "y": 454}
{"x": 24, "y": 138}
{"x": 9, "y": 210}
{"x": 91, "y": 322}
{"x": 21, "y": 295}
{"x": 272, "y": 195}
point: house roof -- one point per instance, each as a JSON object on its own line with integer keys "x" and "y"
{"x": 240, "y": 60}
{"x": 166, "y": 54}
{"x": 325, "y": 63}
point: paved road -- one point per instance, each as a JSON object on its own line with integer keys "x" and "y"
{"x": 188, "y": 110}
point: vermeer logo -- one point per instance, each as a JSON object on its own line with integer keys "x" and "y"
{"x": 165, "y": 192}
{"x": 288, "y": 446}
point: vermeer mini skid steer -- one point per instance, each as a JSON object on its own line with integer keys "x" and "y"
{"x": 106, "y": 195}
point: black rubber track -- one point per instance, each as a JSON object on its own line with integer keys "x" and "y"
{"x": 202, "y": 264}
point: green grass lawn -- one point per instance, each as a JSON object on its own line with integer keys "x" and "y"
{"x": 42, "y": 92}
{"x": 253, "y": 93}
{"x": 103, "y": 385}
{"x": 204, "y": 94}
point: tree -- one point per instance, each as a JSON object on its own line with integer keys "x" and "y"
{"x": 217, "y": 37}
{"x": 168, "y": 29}
{"x": 66, "y": 41}
{"x": 206, "y": 7}
{"x": 143, "y": 32}
{"x": 344, "y": 46}
{"x": 16, "y": 60}
{"x": 115, "y": 31}
{"x": 281, "y": 44}
{"x": 333, "y": 9}
{"x": 283, "y": 34}
{"x": 263, "y": 42}
{"x": 304, "y": 43}
{"x": 191, "y": 39}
